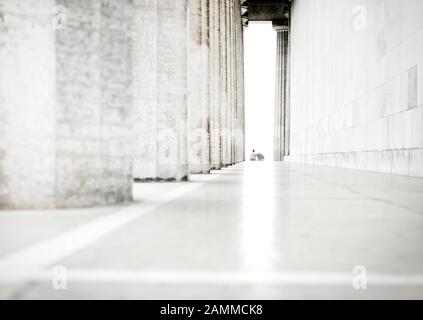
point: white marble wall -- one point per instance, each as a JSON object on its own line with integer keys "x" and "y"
{"x": 356, "y": 95}
{"x": 64, "y": 103}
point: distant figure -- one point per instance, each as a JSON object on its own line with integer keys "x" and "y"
{"x": 260, "y": 157}
{"x": 253, "y": 156}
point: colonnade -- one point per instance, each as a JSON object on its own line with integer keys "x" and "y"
{"x": 193, "y": 116}
{"x": 96, "y": 93}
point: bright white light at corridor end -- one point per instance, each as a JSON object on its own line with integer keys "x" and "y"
{"x": 260, "y": 64}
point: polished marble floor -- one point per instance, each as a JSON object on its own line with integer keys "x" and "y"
{"x": 259, "y": 230}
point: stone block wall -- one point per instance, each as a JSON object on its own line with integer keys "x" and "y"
{"x": 356, "y": 91}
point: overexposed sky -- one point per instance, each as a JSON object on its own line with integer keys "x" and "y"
{"x": 260, "y": 60}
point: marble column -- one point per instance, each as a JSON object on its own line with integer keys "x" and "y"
{"x": 198, "y": 86}
{"x": 214, "y": 75}
{"x": 232, "y": 83}
{"x": 230, "y": 89}
{"x": 223, "y": 104}
{"x": 281, "y": 128}
{"x": 239, "y": 108}
{"x": 145, "y": 90}
{"x": 229, "y": 82}
{"x": 206, "y": 90}
{"x": 65, "y": 101}
{"x": 161, "y": 128}
{"x": 242, "y": 93}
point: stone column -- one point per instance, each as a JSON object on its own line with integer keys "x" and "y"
{"x": 162, "y": 115}
{"x": 172, "y": 92}
{"x": 223, "y": 83}
{"x": 239, "y": 63}
{"x": 214, "y": 73}
{"x": 145, "y": 89}
{"x": 281, "y": 130}
{"x": 228, "y": 84}
{"x": 206, "y": 90}
{"x": 232, "y": 83}
{"x": 242, "y": 93}
{"x": 65, "y": 100}
{"x": 198, "y": 88}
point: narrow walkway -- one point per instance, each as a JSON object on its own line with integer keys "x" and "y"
{"x": 256, "y": 230}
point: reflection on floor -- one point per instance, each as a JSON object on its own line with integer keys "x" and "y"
{"x": 259, "y": 230}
